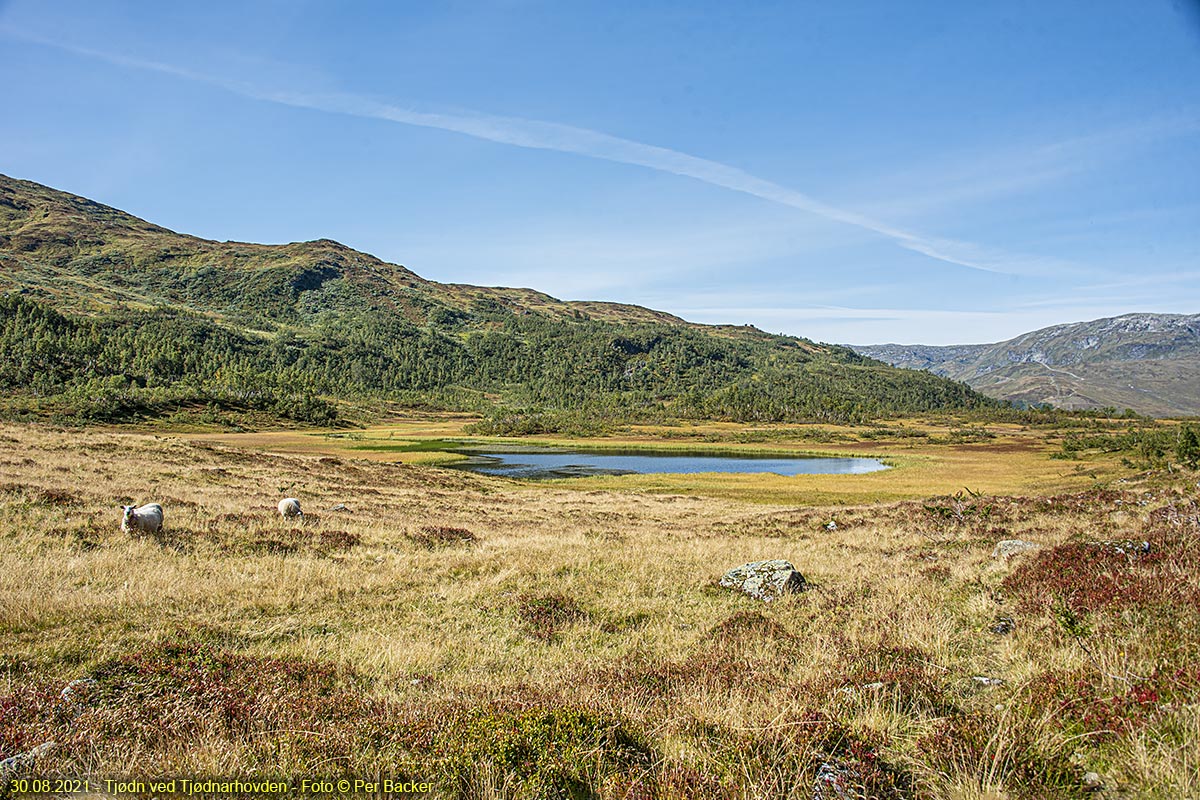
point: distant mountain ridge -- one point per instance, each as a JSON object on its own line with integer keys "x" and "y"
{"x": 1147, "y": 362}
{"x": 107, "y": 316}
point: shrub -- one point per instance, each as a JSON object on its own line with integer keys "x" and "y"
{"x": 1187, "y": 446}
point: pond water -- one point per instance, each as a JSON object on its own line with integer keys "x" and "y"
{"x": 535, "y": 464}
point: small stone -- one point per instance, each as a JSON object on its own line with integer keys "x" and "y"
{"x": 1127, "y": 548}
{"x": 765, "y": 580}
{"x": 1011, "y": 547}
{"x": 1092, "y": 781}
{"x": 830, "y": 783}
{"x": 1003, "y": 625}
{"x": 25, "y": 760}
{"x": 75, "y": 688}
{"x": 984, "y": 680}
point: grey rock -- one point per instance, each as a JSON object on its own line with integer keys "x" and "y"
{"x": 1003, "y": 625}
{"x": 765, "y": 580}
{"x": 75, "y": 694}
{"x": 1011, "y": 547}
{"x": 1126, "y": 547}
{"x": 73, "y": 690}
{"x": 984, "y": 680}
{"x": 1092, "y": 781}
{"x": 26, "y": 759}
{"x": 830, "y": 783}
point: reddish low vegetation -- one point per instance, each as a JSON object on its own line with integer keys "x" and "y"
{"x": 544, "y": 615}
{"x": 1159, "y": 571}
{"x": 432, "y": 537}
{"x": 296, "y": 716}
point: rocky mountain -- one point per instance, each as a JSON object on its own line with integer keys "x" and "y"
{"x": 1147, "y": 362}
{"x": 106, "y": 315}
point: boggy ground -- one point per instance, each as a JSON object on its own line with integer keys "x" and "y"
{"x": 931, "y": 456}
{"x": 498, "y": 640}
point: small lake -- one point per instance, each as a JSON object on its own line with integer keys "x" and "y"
{"x": 541, "y": 464}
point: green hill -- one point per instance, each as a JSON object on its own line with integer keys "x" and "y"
{"x": 1147, "y": 362}
{"x": 106, "y": 316}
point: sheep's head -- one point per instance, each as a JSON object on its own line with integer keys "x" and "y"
{"x": 128, "y": 515}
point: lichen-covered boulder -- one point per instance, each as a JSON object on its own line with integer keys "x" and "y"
{"x": 765, "y": 580}
{"x": 1010, "y": 547}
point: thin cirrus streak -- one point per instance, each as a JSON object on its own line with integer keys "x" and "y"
{"x": 541, "y": 135}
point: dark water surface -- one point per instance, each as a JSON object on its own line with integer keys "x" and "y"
{"x": 535, "y": 464}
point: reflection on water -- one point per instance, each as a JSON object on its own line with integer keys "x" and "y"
{"x": 535, "y": 464}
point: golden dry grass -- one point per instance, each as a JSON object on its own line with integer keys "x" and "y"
{"x": 715, "y": 682}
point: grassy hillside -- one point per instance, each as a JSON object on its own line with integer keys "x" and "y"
{"x": 1147, "y": 362}
{"x": 109, "y": 317}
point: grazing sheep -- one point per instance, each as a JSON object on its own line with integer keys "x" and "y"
{"x": 144, "y": 519}
{"x": 290, "y": 507}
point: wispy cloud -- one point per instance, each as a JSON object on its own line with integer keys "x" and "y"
{"x": 542, "y": 135}
{"x": 949, "y": 180}
{"x": 606, "y": 258}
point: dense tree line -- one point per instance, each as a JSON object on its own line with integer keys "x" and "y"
{"x": 112, "y": 365}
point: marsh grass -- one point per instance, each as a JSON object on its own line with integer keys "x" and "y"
{"x": 512, "y": 641}
{"x": 927, "y": 458}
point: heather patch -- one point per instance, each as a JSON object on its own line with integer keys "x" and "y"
{"x": 297, "y": 540}
{"x": 748, "y": 626}
{"x": 432, "y": 537}
{"x": 747, "y": 652}
{"x": 543, "y": 616}
{"x": 143, "y": 703}
{"x": 1160, "y": 571}
{"x": 905, "y": 673}
{"x": 42, "y": 495}
{"x": 539, "y": 751}
{"x": 1006, "y": 753}
{"x": 807, "y": 750}
{"x": 1103, "y": 707}
{"x": 296, "y": 716}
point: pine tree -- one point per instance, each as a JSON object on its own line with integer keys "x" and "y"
{"x": 1187, "y": 446}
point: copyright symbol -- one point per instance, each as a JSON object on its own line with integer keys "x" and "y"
{"x": 343, "y": 785}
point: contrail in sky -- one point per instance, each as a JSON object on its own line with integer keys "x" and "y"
{"x": 540, "y": 135}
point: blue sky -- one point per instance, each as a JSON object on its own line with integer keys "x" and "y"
{"x": 858, "y": 172}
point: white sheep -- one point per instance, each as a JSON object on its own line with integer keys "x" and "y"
{"x": 290, "y": 507}
{"x": 144, "y": 519}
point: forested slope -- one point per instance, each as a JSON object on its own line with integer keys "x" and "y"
{"x": 106, "y": 316}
